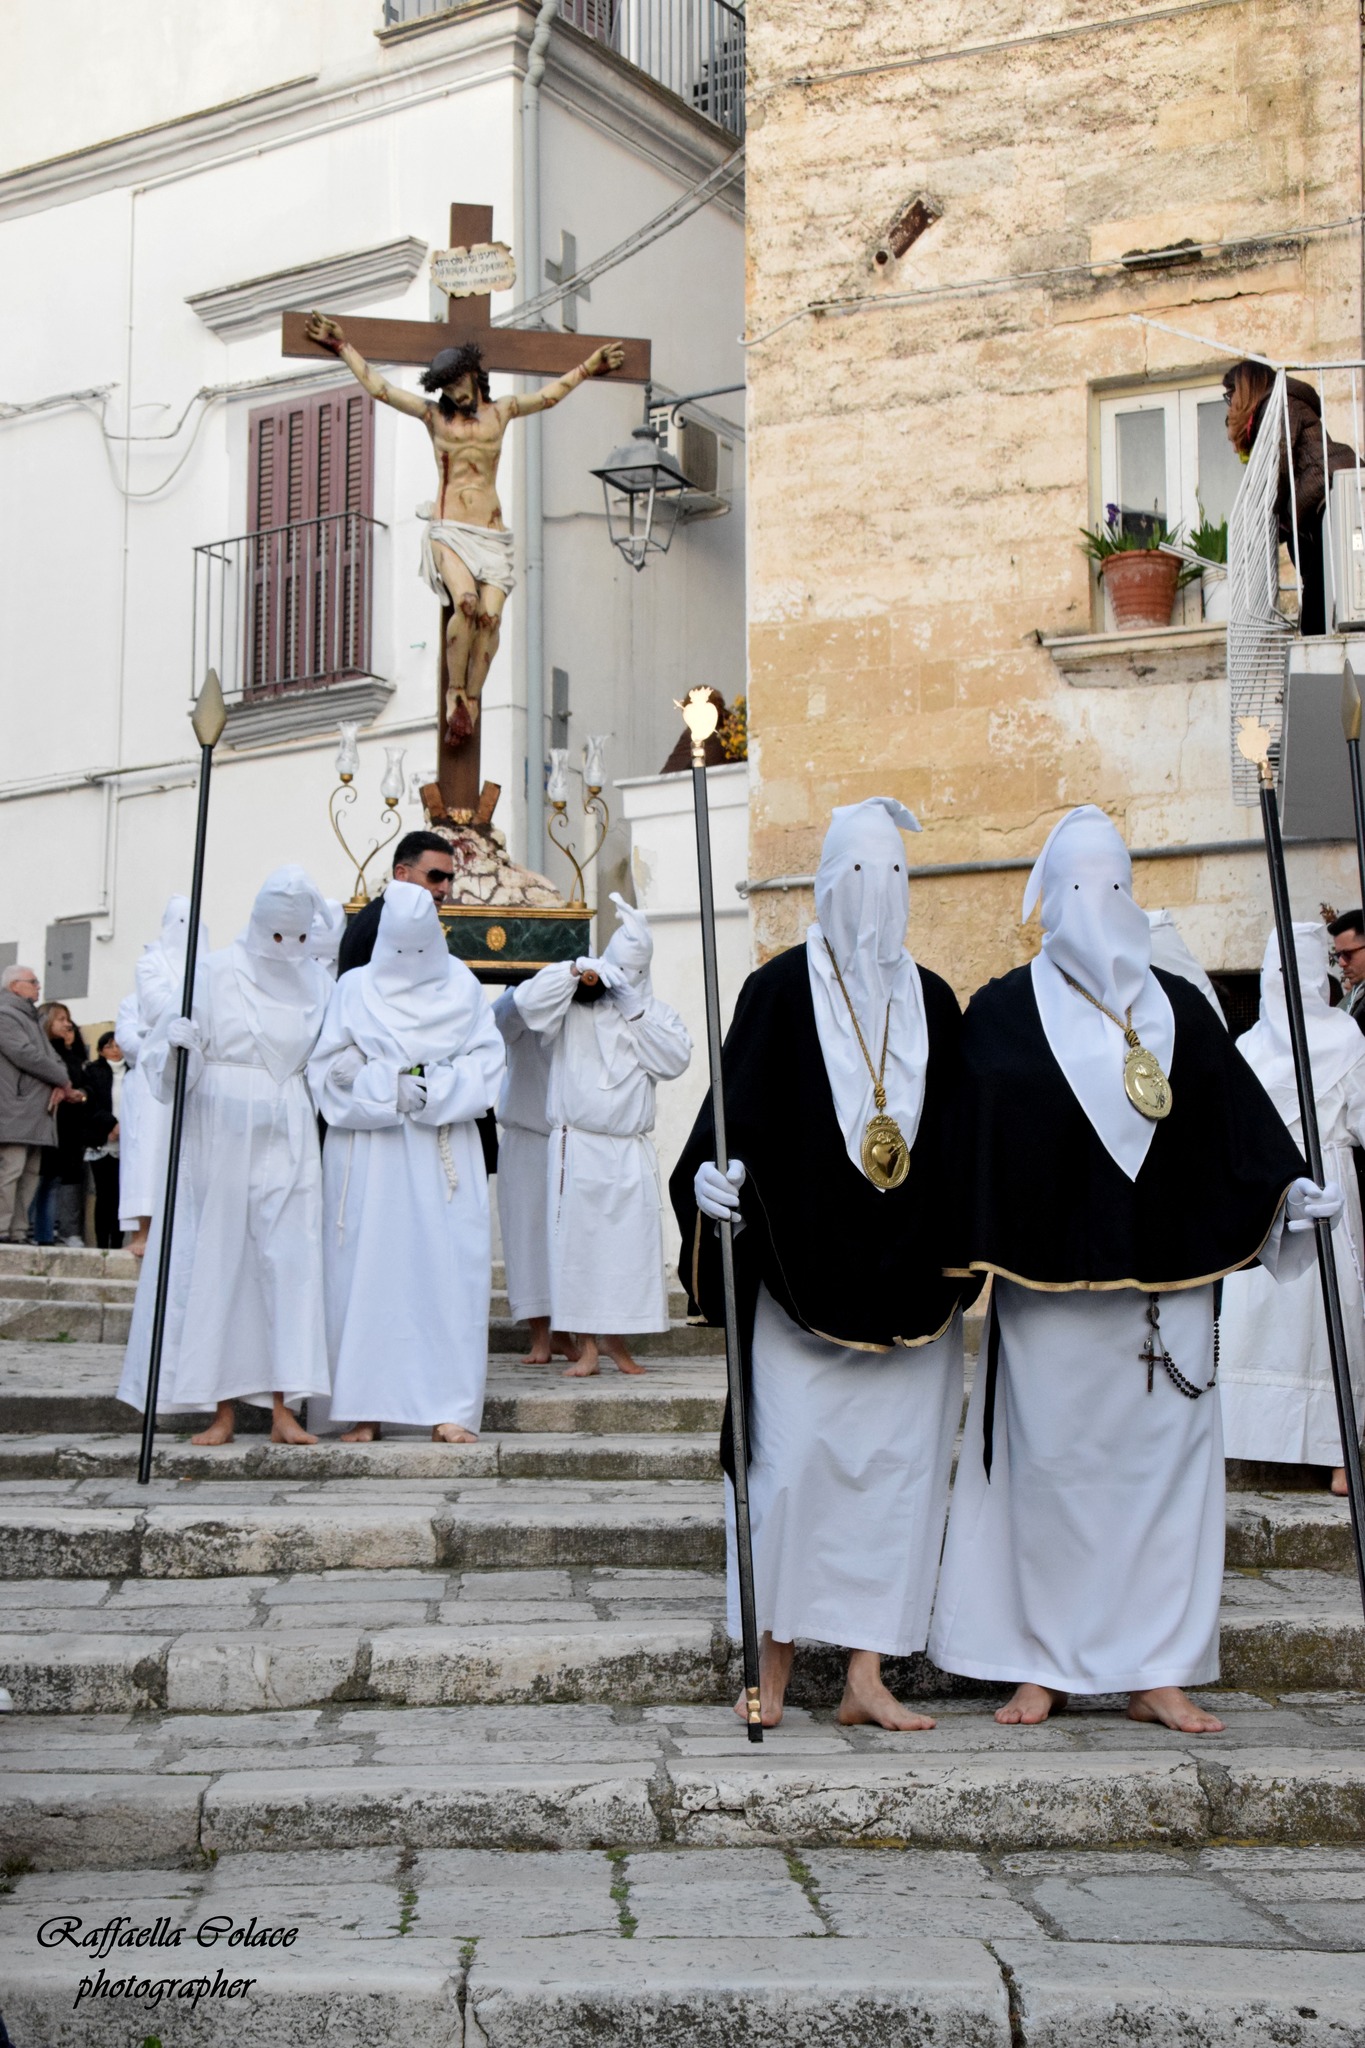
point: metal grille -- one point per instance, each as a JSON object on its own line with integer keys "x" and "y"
{"x": 693, "y": 47}
{"x": 1258, "y": 632}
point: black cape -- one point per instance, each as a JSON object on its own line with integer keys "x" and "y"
{"x": 855, "y": 1266}
{"x": 1039, "y": 1199}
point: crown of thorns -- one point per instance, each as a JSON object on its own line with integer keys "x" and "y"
{"x": 452, "y": 364}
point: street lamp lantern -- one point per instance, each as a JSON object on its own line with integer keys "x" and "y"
{"x": 642, "y": 485}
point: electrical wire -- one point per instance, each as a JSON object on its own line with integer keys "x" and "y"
{"x": 681, "y": 209}
{"x": 866, "y": 302}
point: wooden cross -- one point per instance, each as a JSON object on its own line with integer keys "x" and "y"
{"x": 558, "y": 272}
{"x": 522, "y": 351}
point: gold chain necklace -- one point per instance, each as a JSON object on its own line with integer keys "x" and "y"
{"x": 1144, "y": 1082}
{"x": 885, "y": 1154}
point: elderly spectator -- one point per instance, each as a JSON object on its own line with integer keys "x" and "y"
{"x": 33, "y": 1080}
{"x": 104, "y": 1089}
{"x": 59, "y": 1210}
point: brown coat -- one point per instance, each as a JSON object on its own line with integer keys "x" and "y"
{"x": 30, "y": 1069}
{"x": 1306, "y": 450}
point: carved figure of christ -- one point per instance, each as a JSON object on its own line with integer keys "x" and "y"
{"x": 469, "y": 550}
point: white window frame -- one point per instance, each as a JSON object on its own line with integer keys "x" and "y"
{"x": 1180, "y": 404}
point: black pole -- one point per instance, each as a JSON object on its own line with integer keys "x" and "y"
{"x": 208, "y": 725}
{"x": 734, "y": 1356}
{"x": 1350, "y": 718}
{"x": 1308, "y": 1117}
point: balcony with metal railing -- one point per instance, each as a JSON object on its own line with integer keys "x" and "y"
{"x": 694, "y": 48}
{"x": 285, "y": 616}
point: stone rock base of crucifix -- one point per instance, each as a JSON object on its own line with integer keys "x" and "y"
{"x": 504, "y": 920}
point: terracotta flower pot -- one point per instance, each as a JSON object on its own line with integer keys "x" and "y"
{"x": 1141, "y": 584}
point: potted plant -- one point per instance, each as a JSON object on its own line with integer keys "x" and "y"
{"x": 1141, "y": 580}
{"x": 1210, "y": 542}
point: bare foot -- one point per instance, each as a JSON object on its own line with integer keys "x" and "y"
{"x": 1339, "y": 1479}
{"x": 618, "y": 1351}
{"x": 541, "y": 1351}
{"x": 220, "y": 1429}
{"x": 451, "y": 1433}
{"x": 1029, "y": 1705}
{"x": 587, "y": 1366}
{"x": 285, "y": 1427}
{"x": 1173, "y": 1709}
{"x": 774, "y": 1669}
{"x": 565, "y": 1345}
{"x": 363, "y": 1433}
{"x": 137, "y": 1243}
{"x": 867, "y": 1699}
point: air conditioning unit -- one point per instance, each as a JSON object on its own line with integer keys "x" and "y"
{"x": 1346, "y": 540}
{"x": 705, "y": 457}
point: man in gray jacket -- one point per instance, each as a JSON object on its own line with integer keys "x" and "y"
{"x": 33, "y": 1080}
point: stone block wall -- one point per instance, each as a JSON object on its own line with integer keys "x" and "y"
{"x": 922, "y": 455}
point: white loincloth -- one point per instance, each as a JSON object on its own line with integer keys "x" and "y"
{"x": 848, "y": 1485}
{"x": 606, "y": 1233}
{"x": 1092, "y": 1561}
{"x": 486, "y": 551}
{"x": 524, "y": 1212}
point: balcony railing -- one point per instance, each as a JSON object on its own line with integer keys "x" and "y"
{"x": 286, "y": 609}
{"x": 693, "y": 47}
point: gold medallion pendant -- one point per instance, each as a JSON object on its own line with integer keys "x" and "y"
{"x": 885, "y": 1154}
{"x": 1145, "y": 1085}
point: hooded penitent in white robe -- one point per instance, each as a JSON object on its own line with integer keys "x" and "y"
{"x": 1090, "y": 1558}
{"x": 850, "y": 1448}
{"x": 606, "y": 1232}
{"x": 244, "y": 1311}
{"x": 1170, "y": 951}
{"x": 405, "y": 1215}
{"x": 145, "y": 1123}
{"x": 1279, "y": 1404}
{"x": 523, "y": 1163}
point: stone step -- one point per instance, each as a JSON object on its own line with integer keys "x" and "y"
{"x": 441, "y": 1633}
{"x": 146, "y": 1791}
{"x": 255, "y": 1506}
{"x": 638, "y": 1945}
{"x": 518, "y": 1455}
{"x": 71, "y": 1262}
{"x": 68, "y": 1389}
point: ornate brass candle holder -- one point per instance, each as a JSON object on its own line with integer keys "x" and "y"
{"x": 345, "y": 794}
{"x": 594, "y": 808}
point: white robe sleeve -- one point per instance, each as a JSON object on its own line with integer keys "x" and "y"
{"x": 369, "y": 1103}
{"x": 1288, "y": 1254}
{"x": 128, "y": 1031}
{"x": 509, "y": 1019}
{"x": 157, "y": 1061}
{"x": 662, "y": 1041}
{"x": 1353, "y": 1090}
{"x": 544, "y": 1000}
{"x": 465, "y": 1087}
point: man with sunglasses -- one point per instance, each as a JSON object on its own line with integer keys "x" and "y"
{"x": 421, "y": 857}
{"x": 1348, "y": 953}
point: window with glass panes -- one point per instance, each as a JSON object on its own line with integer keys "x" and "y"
{"x": 1165, "y": 455}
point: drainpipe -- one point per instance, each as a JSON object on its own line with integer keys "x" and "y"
{"x": 533, "y": 507}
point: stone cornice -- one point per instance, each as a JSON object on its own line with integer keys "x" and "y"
{"x": 359, "y": 274}
{"x": 479, "y": 44}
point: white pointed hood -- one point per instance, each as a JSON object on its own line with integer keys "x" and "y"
{"x": 1094, "y": 932}
{"x": 1335, "y": 1042}
{"x": 282, "y": 987}
{"x": 160, "y": 972}
{"x": 416, "y": 992}
{"x": 862, "y": 906}
{"x": 1173, "y": 956}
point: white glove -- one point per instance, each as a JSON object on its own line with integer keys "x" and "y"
{"x": 717, "y": 1193}
{"x": 607, "y": 972}
{"x": 183, "y": 1031}
{"x": 1306, "y": 1203}
{"x": 349, "y": 1062}
{"x": 411, "y": 1093}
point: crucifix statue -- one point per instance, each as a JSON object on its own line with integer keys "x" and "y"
{"x": 466, "y": 549}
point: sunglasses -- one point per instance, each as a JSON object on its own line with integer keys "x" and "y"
{"x": 439, "y": 875}
{"x": 1340, "y": 953}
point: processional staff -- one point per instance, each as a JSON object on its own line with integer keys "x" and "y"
{"x": 1253, "y": 743}
{"x": 208, "y": 718}
{"x": 701, "y": 717}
